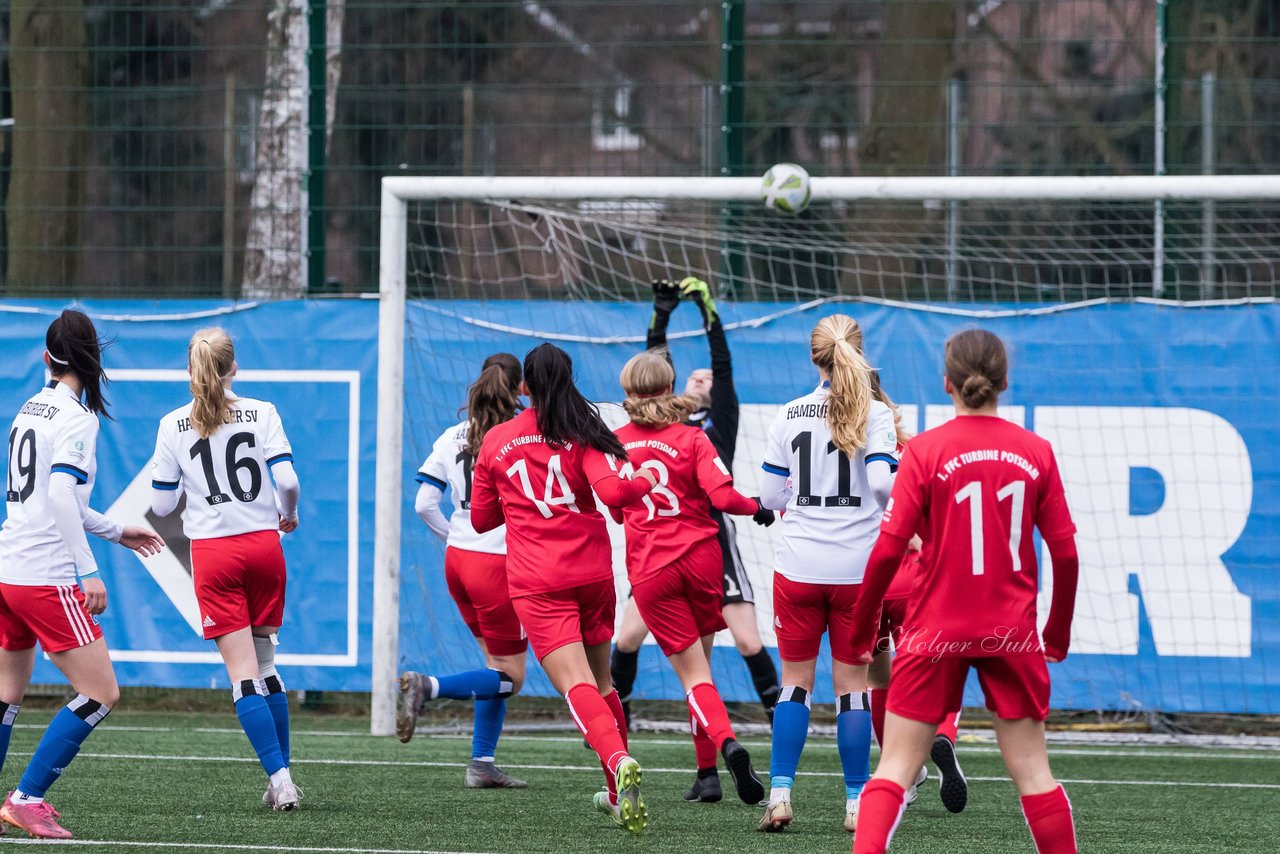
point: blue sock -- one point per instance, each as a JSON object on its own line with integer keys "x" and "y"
{"x": 790, "y": 729}
{"x": 473, "y": 685}
{"x": 258, "y": 725}
{"x": 853, "y": 740}
{"x": 488, "y": 727}
{"x": 278, "y": 703}
{"x": 60, "y": 744}
{"x": 8, "y": 711}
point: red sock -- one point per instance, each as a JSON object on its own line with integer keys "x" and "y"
{"x": 704, "y": 751}
{"x": 1049, "y": 817}
{"x": 708, "y": 709}
{"x": 591, "y": 714}
{"x": 614, "y": 702}
{"x": 879, "y": 812}
{"x": 878, "y": 696}
{"x": 949, "y": 726}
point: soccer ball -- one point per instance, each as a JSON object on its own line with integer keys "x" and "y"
{"x": 785, "y": 187}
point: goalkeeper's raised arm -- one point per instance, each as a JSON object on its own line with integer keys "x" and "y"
{"x": 719, "y": 413}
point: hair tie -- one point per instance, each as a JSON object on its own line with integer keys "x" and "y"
{"x": 53, "y": 358}
{"x": 648, "y": 395}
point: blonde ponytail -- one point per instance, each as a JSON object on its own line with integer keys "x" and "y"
{"x": 647, "y": 379}
{"x": 210, "y": 356}
{"x": 836, "y": 347}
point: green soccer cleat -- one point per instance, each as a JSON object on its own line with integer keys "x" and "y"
{"x": 631, "y": 808}
{"x": 601, "y": 803}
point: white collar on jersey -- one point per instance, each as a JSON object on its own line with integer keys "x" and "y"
{"x": 59, "y": 387}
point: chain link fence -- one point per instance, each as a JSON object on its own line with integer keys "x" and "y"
{"x": 233, "y": 148}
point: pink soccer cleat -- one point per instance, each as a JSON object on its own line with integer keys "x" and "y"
{"x": 39, "y": 820}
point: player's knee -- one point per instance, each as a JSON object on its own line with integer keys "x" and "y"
{"x": 508, "y": 685}
{"x": 109, "y": 697}
{"x": 264, "y": 650}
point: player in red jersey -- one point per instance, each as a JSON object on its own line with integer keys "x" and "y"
{"x": 974, "y": 488}
{"x": 673, "y": 554}
{"x": 537, "y": 472}
{"x": 953, "y": 788}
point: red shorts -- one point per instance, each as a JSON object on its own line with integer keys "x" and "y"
{"x": 239, "y": 581}
{"x": 556, "y": 618}
{"x": 926, "y": 689}
{"x": 52, "y": 614}
{"x": 478, "y": 584}
{"x": 893, "y": 613}
{"x": 682, "y": 603}
{"x": 802, "y": 612}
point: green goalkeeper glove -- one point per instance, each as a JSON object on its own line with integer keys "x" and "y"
{"x": 699, "y": 293}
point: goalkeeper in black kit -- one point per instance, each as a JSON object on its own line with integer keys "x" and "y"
{"x": 719, "y": 419}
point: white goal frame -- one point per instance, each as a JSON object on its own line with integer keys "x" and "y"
{"x": 398, "y": 192}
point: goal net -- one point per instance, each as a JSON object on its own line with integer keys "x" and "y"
{"x": 1140, "y": 317}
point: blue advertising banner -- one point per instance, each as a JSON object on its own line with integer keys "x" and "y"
{"x": 1164, "y": 419}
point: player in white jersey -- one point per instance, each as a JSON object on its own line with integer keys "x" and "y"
{"x": 829, "y": 464}
{"x": 230, "y": 457}
{"x": 475, "y": 568}
{"x": 50, "y": 590}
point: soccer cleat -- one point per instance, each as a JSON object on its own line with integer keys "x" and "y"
{"x": 601, "y": 803}
{"x": 954, "y": 788}
{"x": 738, "y": 761}
{"x": 913, "y": 791}
{"x": 776, "y": 818}
{"x": 705, "y": 790}
{"x": 631, "y": 808}
{"x": 39, "y": 820}
{"x": 285, "y": 797}
{"x": 413, "y": 696}
{"x": 487, "y": 775}
{"x": 851, "y": 814}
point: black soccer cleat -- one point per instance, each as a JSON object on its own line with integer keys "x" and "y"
{"x": 705, "y": 789}
{"x": 955, "y": 789}
{"x": 738, "y": 761}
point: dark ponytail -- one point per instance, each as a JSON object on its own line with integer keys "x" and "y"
{"x": 564, "y": 415}
{"x": 493, "y": 398}
{"x": 977, "y": 365}
{"x": 74, "y": 348}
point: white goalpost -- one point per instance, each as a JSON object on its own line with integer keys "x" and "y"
{"x": 1019, "y": 243}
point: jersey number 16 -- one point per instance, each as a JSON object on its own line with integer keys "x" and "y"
{"x": 233, "y": 467}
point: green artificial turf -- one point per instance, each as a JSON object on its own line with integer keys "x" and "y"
{"x": 190, "y": 782}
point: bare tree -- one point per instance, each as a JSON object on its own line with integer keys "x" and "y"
{"x": 274, "y": 245}
{"x": 48, "y": 70}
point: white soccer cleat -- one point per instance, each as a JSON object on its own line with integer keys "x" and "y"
{"x": 283, "y": 798}
{"x": 777, "y": 817}
{"x": 914, "y": 791}
{"x": 851, "y": 814}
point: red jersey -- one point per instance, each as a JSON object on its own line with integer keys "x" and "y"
{"x": 905, "y": 579}
{"x": 973, "y": 489}
{"x": 676, "y": 516}
{"x": 556, "y": 538}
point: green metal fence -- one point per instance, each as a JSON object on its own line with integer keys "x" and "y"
{"x": 234, "y": 147}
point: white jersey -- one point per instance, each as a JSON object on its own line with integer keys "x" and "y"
{"x": 53, "y": 432}
{"x": 449, "y": 467}
{"x": 832, "y": 518}
{"x": 226, "y": 477}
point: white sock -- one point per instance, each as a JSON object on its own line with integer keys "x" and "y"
{"x": 281, "y": 776}
{"x": 850, "y": 803}
{"x": 488, "y": 759}
{"x": 778, "y": 794}
{"x": 433, "y": 687}
{"x": 23, "y": 799}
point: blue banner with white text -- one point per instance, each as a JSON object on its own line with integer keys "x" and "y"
{"x": 1164, "y": 420}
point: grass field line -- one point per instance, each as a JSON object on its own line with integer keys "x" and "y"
{"x": 218, "y": 846}
{"x": 595, "y": 769}
{"x": 987, "y": 747}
